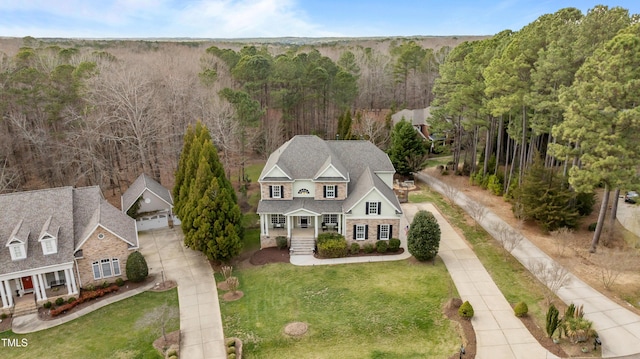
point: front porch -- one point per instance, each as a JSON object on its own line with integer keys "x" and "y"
{"x": 297, "y": 225}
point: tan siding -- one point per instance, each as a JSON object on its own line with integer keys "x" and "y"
{"x": 95, "y": 249}
{"x": 373, "y": 229}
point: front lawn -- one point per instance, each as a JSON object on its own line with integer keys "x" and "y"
{"x": 369, "y": 310}
{"x": 110, "y": 332}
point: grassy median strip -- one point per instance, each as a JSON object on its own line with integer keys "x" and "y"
{"x": 109, "y": 332}
{"x": 514, "y": 280}
{"x": 368, "y": 310}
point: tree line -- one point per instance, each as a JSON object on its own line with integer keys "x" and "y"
{"x": 563, "y": 90}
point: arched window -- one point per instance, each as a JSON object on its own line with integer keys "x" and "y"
{"x": 303, "y": 191}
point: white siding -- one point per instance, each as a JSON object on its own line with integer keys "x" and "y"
{"x": 302, "y": 184}
{"x": 331, "y": 172}
{"x": 275, "y": 172}
{"x": 155, "y": 203}
{"x": 386, "y": 178}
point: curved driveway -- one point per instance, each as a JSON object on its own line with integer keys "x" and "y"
{"x": 201, "y": 335}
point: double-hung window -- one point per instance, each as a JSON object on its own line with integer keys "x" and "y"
{"x": 383, "y": 232}
{"x": 360, "y": 232}
{"x": 373, "y": 207}
{"x": 330, "y": 191}
{"x": 276, "y": 192}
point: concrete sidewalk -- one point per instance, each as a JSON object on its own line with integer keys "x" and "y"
{"x": 201, "y": 335}
{"x": 618, "y": 327}
{"x": 499, "y": 333}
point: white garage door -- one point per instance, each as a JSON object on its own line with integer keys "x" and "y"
{"x": 146, "y": 223}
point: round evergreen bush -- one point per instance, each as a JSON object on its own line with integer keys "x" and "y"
{"x": 59, "y": 301}
{"x": 521, "y": 309}
{"x": 382, "y": 246}
{"x": 137, "y": 269}
{"x": 119, "y": 282}
{"x": 332, "y": 248}
{"x": 394, "y": 245}
{"x": 47, "y": 305}
{"x": 281, "y": 242}
{"x": 355, "y": 248}
{"x": 466, "y": 310}
{"x": 71, "y": 300}
{"x": 424, "y": 236}
{"x": 368, "y": 248}
{"x": 592, "y": 226}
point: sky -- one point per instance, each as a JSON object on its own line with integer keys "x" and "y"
{"x": 275, "y": 18}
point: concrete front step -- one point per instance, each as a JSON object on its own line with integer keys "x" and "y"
{"x": 23, "y": 309}
{"x": 302, "y": 246}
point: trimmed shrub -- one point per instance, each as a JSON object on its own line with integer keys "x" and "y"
{"x": 4, "y": 316}
{"x": 553, "y": 322}
{"x": 394, "y": 244}
{"x": 231, "y": 356}
{"x": 327, "y": 236}
{"x": 592, "y": 227}
{"x": 137, "y": 269}
{"x": 332, "y": 248}
{"x": 355, "y": 248}
{"x": 47, "y": 305}
{"x": 382, "y": 246}
{"x": 90, "y": 287}
{"x": 71, "y": 300}
{"x": 119, "y": 282}
{"x": 231, "y": 350}
{"x": 466, "y": 310}
{"x": 368, "y": 248}
{"x": 424, "y": 236}
{"x": 281, "y": 242}
{"x": 172, "y": 352}
{"x": 176, "y": 357}
{"x": 59, "y": 301}
{"x": 230, "y": 342}
{"x": 105, "y": 284}
{"x": 521, "y": 309}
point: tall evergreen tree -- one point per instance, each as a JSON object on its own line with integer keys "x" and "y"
{"x": 407, "y": 148}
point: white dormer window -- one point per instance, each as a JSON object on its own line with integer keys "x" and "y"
{"x": 276, "y": 191}
{"x": 49, "y": 246}
{"x": 330, "y": 191}
{"x": 17, "y": 251}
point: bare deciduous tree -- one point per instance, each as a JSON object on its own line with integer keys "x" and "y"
{"x": 451, "y": 193}
{"x": 613, "y": 263}
{"x": 158, "y": 319}
{"x": 551, "y": 274}
{"x": 562, "y": 237}
{"x": 477, "y": 211}
{"x": 8, "y": 178}
{"x": 507, "y": 237}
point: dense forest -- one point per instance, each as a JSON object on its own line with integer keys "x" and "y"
{"x": 99, "y": 112}
{"x": 549, "y": 112}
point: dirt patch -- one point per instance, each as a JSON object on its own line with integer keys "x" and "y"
{"x": 296, "y": 329}
{"x": 232, "y": 296}
{"x": 269, "y": 255}
{"x": 172, "y": 342}
{"x": 5, "y": 324}
{"x": 164, "y": 286}
{"x": 464, "y": 326}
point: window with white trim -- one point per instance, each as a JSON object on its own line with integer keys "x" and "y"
{"x": 106, "y": 268}
{"x": 330, "y": 191}
{"x": 384, "y": 232}
{"x": 303, "y": 191}
{"x": 330, "y": 218}
{"x": 275, "y": 192}
{"x": 278, "y": 219}
{"x": 360, "y": 232}
{"x": 373, "y": 207}
{"x": 17, "y": 252}
{"x": 48, "y": 246}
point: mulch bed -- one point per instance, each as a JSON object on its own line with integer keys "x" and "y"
{"x": 542, "y": 338}
{"x": 465, "y": 326}
{"x": 270, "y": 255}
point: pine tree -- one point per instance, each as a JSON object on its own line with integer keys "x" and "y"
{"x": 406, "y": 148}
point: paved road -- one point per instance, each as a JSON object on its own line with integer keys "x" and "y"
{"x": 201, "y": 335}
{"x": 618, "y": 327}
{"x": 629, "y": 216}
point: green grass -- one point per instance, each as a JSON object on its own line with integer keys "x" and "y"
{"x": 251, "y": 239}
{"x": 369, "y": 310}
{"x": 253, "y": 171}
{"x": 110, "y": 332}
{"x": 435, "y": 161}
{"x": 515, "y": 282}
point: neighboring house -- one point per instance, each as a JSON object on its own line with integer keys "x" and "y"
{"x": 58, "y": 240}
{"x": 418, "y": 118}
{"x": 155, "y": 203}
{"x": 309, "y": 185}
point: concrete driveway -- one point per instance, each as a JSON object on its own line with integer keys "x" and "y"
{"x": 629, "y": 216}
{"x": 201, "y": 335}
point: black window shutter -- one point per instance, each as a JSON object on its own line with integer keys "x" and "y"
{"x": 379, "y": 207}
{"x": 324, "y": 189}
{"x": 391, "y": 231}
{"x": 378, "y": 231}
{"x": 281, "y": 191}
{"x": 270, "y": 191}
{"x": 335, "y": 191}
{"x": 366, "y": 231}
{"x": 366, "y": 207}
{"x": 354, "y": 231}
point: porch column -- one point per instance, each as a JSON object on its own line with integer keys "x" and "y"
{"x": 315, "y": 227}
{"x": 43, "y": 286}
{"x": 68, "y": 281}
{"x": 72, "y": 287}
{"x": 7, "y": 289}
{"x": 289, "y": 227}
{"x": 264, "y": 219}
{"x": 36, "y": 287}
{"x": 3, "y": 295}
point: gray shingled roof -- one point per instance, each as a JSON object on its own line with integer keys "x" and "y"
{"x": 270, "y": 206}
{"x": 415, "y": 117}
{"x": 68, "y": 211}
{"x": 138, "y": 186}
{"x": 304, "y": 157}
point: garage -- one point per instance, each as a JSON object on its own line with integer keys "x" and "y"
{"x": 159, "y": 220}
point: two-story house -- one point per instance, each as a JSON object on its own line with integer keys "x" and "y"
{"x": 55, "y": 241}
{"x": 310, "y": 185}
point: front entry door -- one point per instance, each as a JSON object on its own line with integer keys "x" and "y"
{"x": 304, "y": 222}
{"x": 27, "y": 284}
